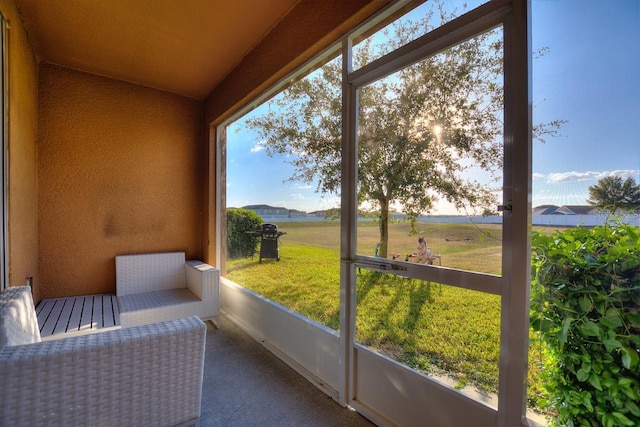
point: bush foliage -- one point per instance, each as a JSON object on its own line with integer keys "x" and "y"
{"x": 239, "y": 243}
{"x": 585, "y": 306}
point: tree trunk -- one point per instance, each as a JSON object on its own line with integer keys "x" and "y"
{"x": 384, "y": 227}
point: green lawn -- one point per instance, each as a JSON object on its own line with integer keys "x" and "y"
{"x": 430, "y": 327}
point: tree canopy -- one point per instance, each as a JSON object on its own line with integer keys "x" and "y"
{"x": 611, "y": 193}
{"x": 420, "y": 130}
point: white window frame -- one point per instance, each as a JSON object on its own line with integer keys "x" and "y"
{"x": 4, "y": 161}
{"x": 513, "y": 285}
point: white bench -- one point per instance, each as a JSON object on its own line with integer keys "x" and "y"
{"x": 163, "y": 286}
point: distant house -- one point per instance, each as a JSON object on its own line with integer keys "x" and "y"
{"x": 545, "y": 209}
{"x": 266, "y": 210}
{"x": 294, "y": 213}
{"x": 563, "y": 210}
{"x": 332, "y": 213}
{"x": 574, "y": 210}
{"x": 577, "y": 215}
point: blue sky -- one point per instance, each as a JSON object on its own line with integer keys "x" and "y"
{"x": 590, "y": 77}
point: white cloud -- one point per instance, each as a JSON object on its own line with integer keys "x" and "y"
{"x": 296, "y": 196}
{"x": 571, "y": 176}
{"x": 586, "y": 176}
{"x": 300, "y": 186}
{"x": 626, "y": 173}
{"x": 538, "y": 176}
{"x": 258, "y": 147}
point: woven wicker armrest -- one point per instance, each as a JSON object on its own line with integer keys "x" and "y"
{"x": 144, "y": 375}
{"x": 204, "y": 281}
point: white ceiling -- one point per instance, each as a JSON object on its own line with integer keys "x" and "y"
{"x": 181, "y": 46}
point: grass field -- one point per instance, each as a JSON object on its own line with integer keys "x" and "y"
{"x": 465, "y": 246}
{"x": 430, "y": 327}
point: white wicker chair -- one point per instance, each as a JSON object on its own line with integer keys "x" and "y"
{"x": 145, "y": 375}
{"x": 163, "y": 286}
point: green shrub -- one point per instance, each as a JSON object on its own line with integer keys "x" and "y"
{"x": 585, "y": 306}
{"x": 239, "y": 243}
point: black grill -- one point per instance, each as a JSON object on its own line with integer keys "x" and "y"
{"x": 269, "y": 244}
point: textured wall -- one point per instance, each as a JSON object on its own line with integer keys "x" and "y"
{"x": 304, "y": 32}
{"x": 119, "y": 172}
{"x": 23, "y": 185}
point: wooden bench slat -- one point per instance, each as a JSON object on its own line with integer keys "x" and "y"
{"x": 76, "y": 315}
{"x": 96, "y": 321}
{"x": 87, "y": 313}
{"x": 44, "y": 306}
{"x": 52, "y": 319}
{"x": 65, "y": 314}
{"x": 116, "y": 310}
{"x": 43, "y": 310}
{"x": 107, "y": 308}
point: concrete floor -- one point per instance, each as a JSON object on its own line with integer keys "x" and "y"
{"x": 246, "y": 385}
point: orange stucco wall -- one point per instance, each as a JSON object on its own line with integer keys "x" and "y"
{"x": 304, "y": 32}
{"x": 119, "y": 171}
{"x": 100, "y": 167}
{"x": 22, "y": 177}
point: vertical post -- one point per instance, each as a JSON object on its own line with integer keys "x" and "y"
{"x": 219, "y": 136}
{"x": 348, "y": 228}
{"x": 4, "y": 161}
{"x": 517, "y": 192}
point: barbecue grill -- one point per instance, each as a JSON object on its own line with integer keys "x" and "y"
{"x": 269, "y": 235}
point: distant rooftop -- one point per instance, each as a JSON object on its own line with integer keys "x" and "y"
{"x": 563, "y": 210}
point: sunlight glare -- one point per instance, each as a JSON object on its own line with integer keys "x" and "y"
{"x": 437, "y": 130}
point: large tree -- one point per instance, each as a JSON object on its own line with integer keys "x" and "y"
{"x": 419, "y": 130}
{"x": 612, "y": 194}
